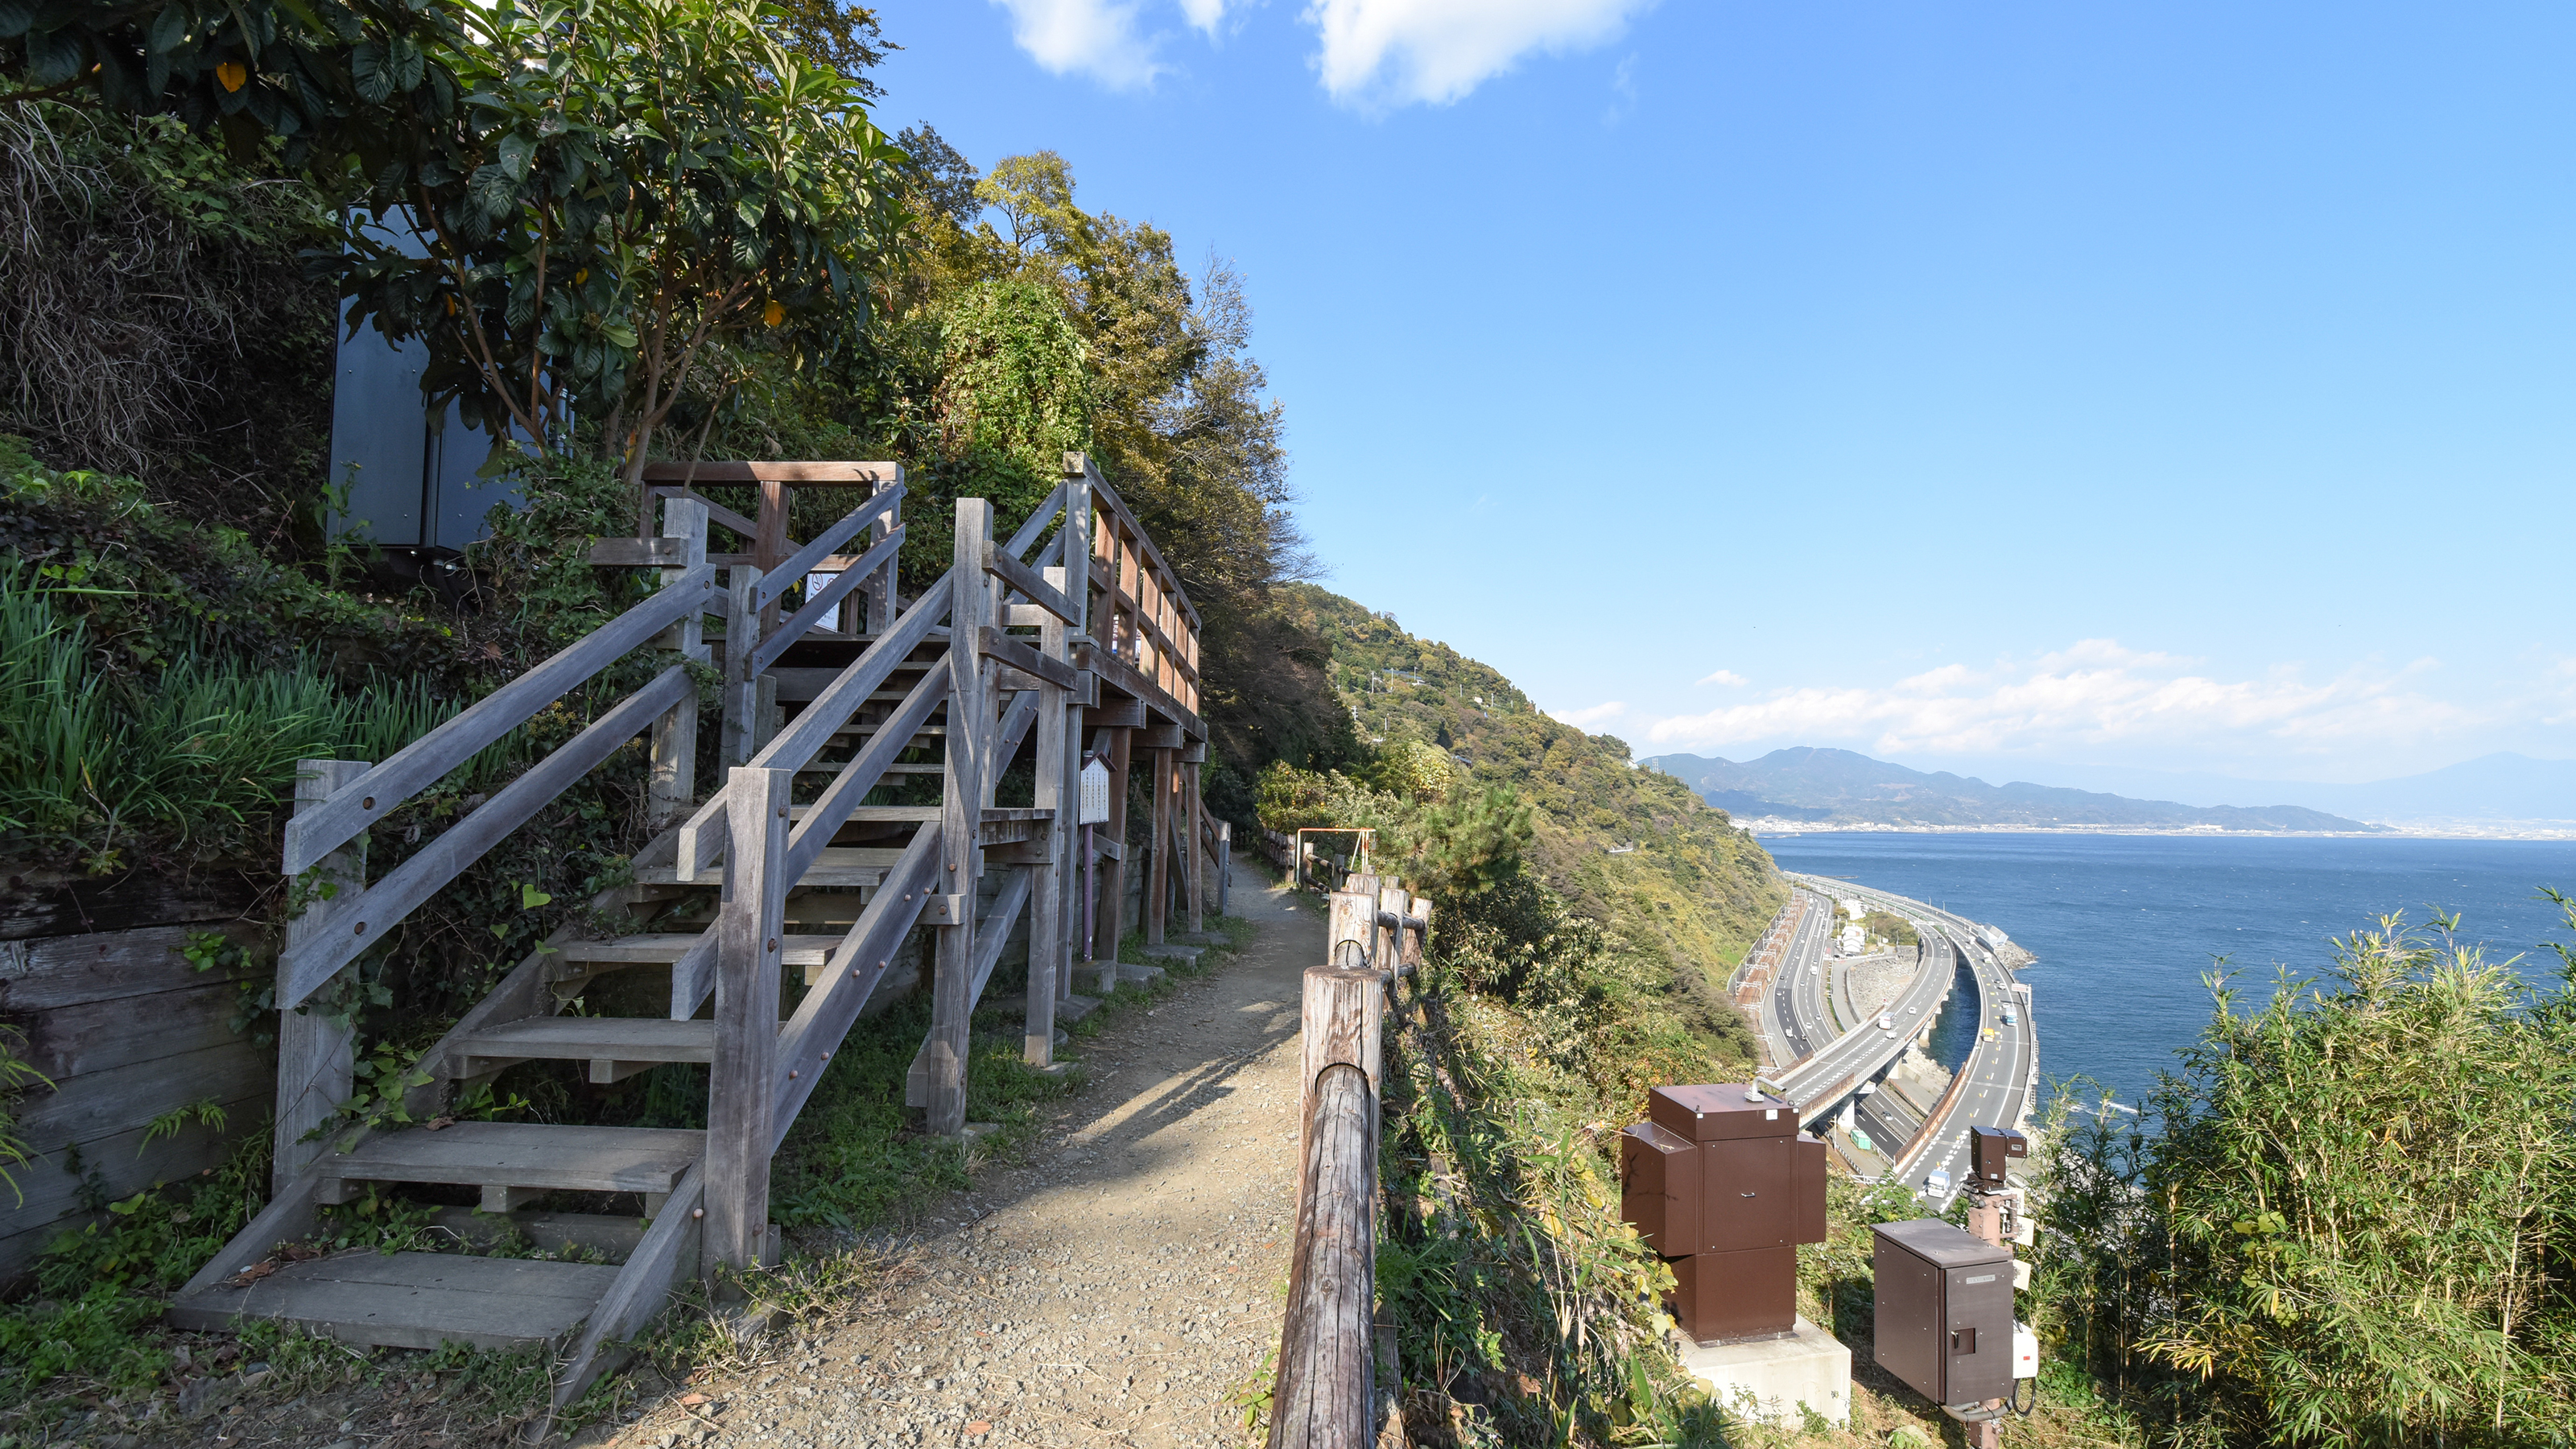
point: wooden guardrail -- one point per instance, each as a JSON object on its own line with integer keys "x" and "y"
{"x": 1326, "y": 1395}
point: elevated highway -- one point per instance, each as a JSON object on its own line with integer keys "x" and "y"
{"x": 1821, "y": 1082}
{"x": 1994, "y": 1087}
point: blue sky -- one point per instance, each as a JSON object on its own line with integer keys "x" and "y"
{"x": 2042, "y": 391}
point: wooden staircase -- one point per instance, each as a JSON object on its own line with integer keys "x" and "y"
{"x": 1026, "y": 645}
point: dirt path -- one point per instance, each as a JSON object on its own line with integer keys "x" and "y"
{"x": 1116, "y": 1287}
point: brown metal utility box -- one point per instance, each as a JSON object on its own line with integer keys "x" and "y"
{"x": 1727, "y": 1297}
{"x": 1719, "y": 1113}
{"x": 1992, "y": 1149}
{"x": 1723, "y": 1184}
{"x": 1944, "y": 1322}
{"x": 1662, "y": 1188}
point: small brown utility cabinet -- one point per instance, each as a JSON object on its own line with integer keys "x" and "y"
{"x": 1722, "y": 1184}
{"x": 1993, "y": 1150}
{"x": 1944, "y": 1321}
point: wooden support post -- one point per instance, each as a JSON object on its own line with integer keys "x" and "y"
{"x": 675, "y": 735}
{"x": 769, "y": 546}
{"x": 1194, "y": 822}
{"x": 970, "y": 738}
{"x": 741, "y": 1081}
{"x": 741, "y": 687}
{"x": 316, "y": 1057}
{"x": 1158, "y": 880}
{"x": 1048, "y": 959}
{"x": 1112, "y": 920}
{"x": 1077, "y": 587}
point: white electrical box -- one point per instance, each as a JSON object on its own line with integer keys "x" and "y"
{"x": 2025, "y": 1364}
{"x": 1095, "y": 794}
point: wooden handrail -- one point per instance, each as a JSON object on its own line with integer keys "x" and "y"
{"x": 821, "y": 601}
{"x": 702, "y": 836}
{"x": 384, "y": 904}
{"x": 415, "y": 767}
{"x": 857, "y": 965}
{"x": 792, "y": 570}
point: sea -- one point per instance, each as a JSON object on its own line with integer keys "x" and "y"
{"x": 2126, "y": 926}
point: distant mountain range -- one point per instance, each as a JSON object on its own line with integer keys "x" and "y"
{"x": 2498, "y": 789}
{"x": 1838, "y": 787}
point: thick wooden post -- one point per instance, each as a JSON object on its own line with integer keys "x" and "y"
{"x": 741, "y": 1081}
{"x": 1158, "y": 881}
{"x": 741, "y": 688}
{"x": 970, "y": 734}
{"x": 1349, "y": 919}
{"x": 879, "y": 590}
{"x": 769, "y": 549}
{"x": 316, "y": 1056}
{"x": 675, "y": 735}
{"x": 1048, "y": 959}
{"x": 1112, "y": 920}
{"x": 1193, "y": 829}
{"x": 1077, "y": 588}
{"x": 1326, "y": 1390}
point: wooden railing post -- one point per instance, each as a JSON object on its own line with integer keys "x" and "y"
{"x": 741, "y": 684}
{"x": 316, "y": 1057}
{"x": 675, "y": 734}
{"x": 741, "y": 1085}
{"x": 879, "y": 590}
{"x": 970, "y": 734}
{"x": 1326, "y": 1391}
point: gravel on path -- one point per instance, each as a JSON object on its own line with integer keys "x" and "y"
{"x": 1119, "y": 1284}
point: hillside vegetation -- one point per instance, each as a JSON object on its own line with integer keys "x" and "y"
{"x": 1668, "y": 880}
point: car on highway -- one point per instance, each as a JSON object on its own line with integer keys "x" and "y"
{"x": 1914, "y": 1011}
{"x": 1937, "y": 1183}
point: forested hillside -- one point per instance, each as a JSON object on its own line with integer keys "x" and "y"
{"x": 1669, "y": 879}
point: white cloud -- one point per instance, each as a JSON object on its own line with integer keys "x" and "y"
{"x": 1586, "y": 718}
{"x": 1097, "y": 38}
{"x": 1393, "y": 52}
{"x": 2092, "y": 693}
{"x": 1725, "y": 676}
{"x": 1205, "y": 14}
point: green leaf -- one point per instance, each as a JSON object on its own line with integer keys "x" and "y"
{"x": 516, "y": 152}
{"x": 530, "y": 897}
{"x": 493, "y": 190}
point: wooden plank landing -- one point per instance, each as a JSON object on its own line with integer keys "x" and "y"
{"x": 412, "y": 1300}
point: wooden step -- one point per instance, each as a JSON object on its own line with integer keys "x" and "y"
{"x": 524, "y": 1155}
{"x": 664, "y": 947}
{"x": 617, "y": 1047}
{"x": 412, "y": 1300}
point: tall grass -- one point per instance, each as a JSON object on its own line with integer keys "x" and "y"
{"x": 187, "y": 759}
